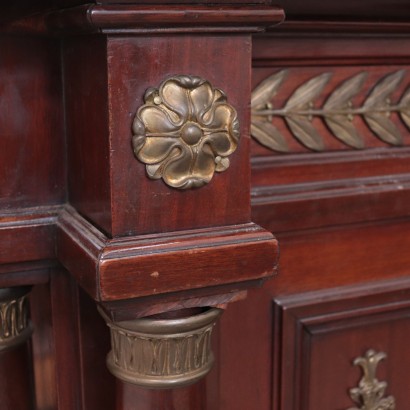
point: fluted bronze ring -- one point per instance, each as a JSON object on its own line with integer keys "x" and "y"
{"x": 158, "y": 353}
{"x": 15, "y": 327}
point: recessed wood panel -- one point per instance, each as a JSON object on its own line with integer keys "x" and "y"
{"x": 32, "y": 165}
{"x": 86, "y": 105}
{"x": 320, "y": 334}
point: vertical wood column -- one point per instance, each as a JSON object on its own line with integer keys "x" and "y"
{"x": 184, "y": 398}
{"x": 16, "y": 381}
{"x": 157, "y": 111}
{"x": 159, "y": 361}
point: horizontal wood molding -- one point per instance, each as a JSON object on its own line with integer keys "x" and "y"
{"x": 304, "y": 191}
{"x": 332, "y": 25}
{"x": 135, "y": 266}
{"x": 27, "y": 235}
{"x": 366, "y": 10}
{"x": 284, "y": 49}
{"x": 145, "y": 18}
{"x": 317, "y": 205}
{"x": 109, "y": 16}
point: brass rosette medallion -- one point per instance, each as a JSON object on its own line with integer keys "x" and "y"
{"x": 185, "y": 132}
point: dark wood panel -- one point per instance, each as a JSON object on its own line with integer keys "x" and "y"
{"x": 244, "y": 367}
{"x": 64, "y": 337}
{"x": 87, "y": 128}
{"x": 311, "y": 260}
{"x": 337, "y": 256}
{"x": 16, "y": 378}
{"x": 185, "y": 398}
{"x": 65, "y": 320}
{"x": 291, "y": 172}
{"x": 44, "y": 360}
{"x": 145, "y": 206}
{"x": 363, "y": 10}
{"x": 344, "y": 48}
{"x": 25, "y": 274}
{"x": 317, "y": 205}
{"x": 31, "y": 158}
{"x": 94, "y": 338}
{"x": 16, "y": 9}
{"x": 320, "y": 334}
{"x": 117, "y": 187}
{"x": 27, "y": 235}
{"x": 342, "y": 216}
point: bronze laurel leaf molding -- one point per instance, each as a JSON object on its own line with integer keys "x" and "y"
{"x": 185, "y": 131}
{"x": 337, "y": 112}
{"x": 369, "y": 395}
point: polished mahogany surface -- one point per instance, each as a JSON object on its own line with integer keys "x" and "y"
{"x": 82, "y": 223}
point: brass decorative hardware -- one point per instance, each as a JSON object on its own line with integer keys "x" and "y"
{"x": 369, "y": 394}
{"x": 185, "y": 132}
{"x": 159, "y": 353}
{"x": 338, "y": 111}
{"x": 14, "y": 324}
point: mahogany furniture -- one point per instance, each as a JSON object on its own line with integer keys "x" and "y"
{"x": 150, "y": 151}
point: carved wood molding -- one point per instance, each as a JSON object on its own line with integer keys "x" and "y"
{"x": 338, "y": 111}
{"x": 132, "y": 18}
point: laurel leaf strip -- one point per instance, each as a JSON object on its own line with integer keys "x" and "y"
{"x": 405, "y": 107}
{"x": 344, "y": 130}
{"x": 385, "y": 129}
{"x": 269, "y": 136}
{"x": 304, "y": 131}
{"x": 382, "y": 90}
{"x": 307, "y": 92}
{"x": 341, "y": 97}
{"x": 337, "y": 112}
{"x": 267, "y": 89}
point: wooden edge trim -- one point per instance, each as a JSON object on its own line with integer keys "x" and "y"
{"x": 145, "y": 19}
{"x": 345, "y": 27}
{"x": 137, "y": 266}
{"x": 116, "y": 269}
{"x": 134, "y": 16}
{"x": 324, "y": 189}
{"x": 28, "y": 235}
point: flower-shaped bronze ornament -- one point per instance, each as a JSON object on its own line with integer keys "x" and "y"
{"x": 185, "y": 132}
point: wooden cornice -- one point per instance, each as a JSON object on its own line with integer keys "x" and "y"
{"x": 92, "y": 18}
